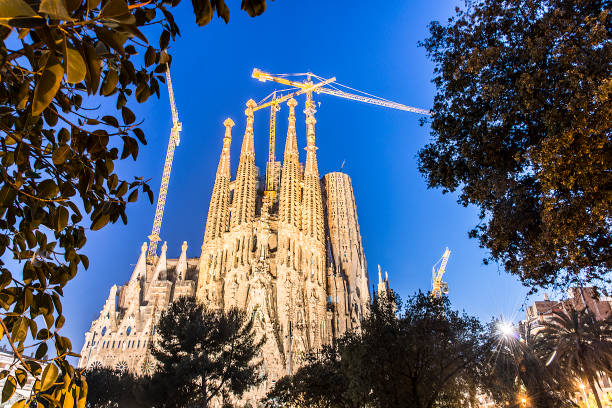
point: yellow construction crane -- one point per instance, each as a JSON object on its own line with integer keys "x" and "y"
{"x": 367, "y": 98}
{"x": 308, "y": 87}
{"x": 274, "y": 105}
{"x": 438, "y": 288}
{"x": 163, "y": 190}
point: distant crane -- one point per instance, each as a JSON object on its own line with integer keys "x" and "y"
{"x": 308, "y": 87}
{"x": 163, "y": 190}
{"x": 438, "y": 288}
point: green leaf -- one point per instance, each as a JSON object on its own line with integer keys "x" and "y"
{"x": 223, "y": 12}
{"x": 49, "y": 376}
{"x": 23, "y": 94}
{"x": 21, "y": 375}
{"x": 82, "y": 399}
{"x": 122, "y": 189}
{"x": 41, "y": 351}
{"x": 109, "y": 83}
{"x": 54, "y": 9}
{"x": 84, "y": 261}
{"x": 20, "y": 329}
{"x": 150, "y": 55}
{"x": 61, "y": 218}
{"x": 48, "y": 85}
{"x": 140, "y": 135}
{"x": 94, "y": 69}
{"x": 48, "y": 188}
{"x": 203, "y": 11}
{"x": 10, "y": 9}
{"x": 19, "y": 404}
{"x": 100, "y": 221}
{"x": 128, "y": 116}
{"x": 133, "y": 196}
{"x": 164, "y": 40}
{"x": 76, "y": 68}
{"x": 113, "y": 39}
{"x": 114, "y": 8}
{"x": 9, "y": 388}
{"x": 59, "y": 322}
{"x": 253, "y": 7}
{"x": 60, "y": 155}
{"x": 7, "y": 195}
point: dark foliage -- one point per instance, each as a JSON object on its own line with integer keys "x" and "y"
{"x": 577, "y": 346}
{"x": 203, "y": 354}
{"x": 58, "y": 155}
{"x": 514, "y": 370}
{"x": 108, "y": 388}
{"x": 521, "y": 126}
{"x": 421, "y": 355}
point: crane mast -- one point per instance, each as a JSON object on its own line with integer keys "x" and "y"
{"x": 163, "y": 190}
{"x": 270, "y": 192}
{"x": 274, "y": 106}
{"x": 437, "y": 286}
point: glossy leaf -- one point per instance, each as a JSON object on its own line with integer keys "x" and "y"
{"x": 47, "y": 85}
{"x": 76, "y": 67}
{"x": 49, "y": 376}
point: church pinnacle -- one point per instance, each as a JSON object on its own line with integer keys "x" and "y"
{"x": 243, "y": 208}
{"x": 218, "y": 211}
{"x": 289, "y": 199}
{"x": 312, "y": 207}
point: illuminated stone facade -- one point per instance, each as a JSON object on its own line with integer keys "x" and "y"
{"x": 292, "y": 257}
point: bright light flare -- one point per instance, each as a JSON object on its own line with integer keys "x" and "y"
{"x": 506, "y": 329}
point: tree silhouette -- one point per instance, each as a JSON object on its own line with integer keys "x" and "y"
{"x": 580, "y": 345}
{"x": 203, "y": 354}
{"x": 521, "y": 128}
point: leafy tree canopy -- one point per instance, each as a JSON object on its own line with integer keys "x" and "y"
{"x": 515, "y": 368}
{"x": 109, "y": 388}
{"x": 578, "y": 346}
{"x": 521, "y": 128}
{"x": 58, "y": 155}
{"x": 423, "y": 354}
{"x": 203, "y": 355}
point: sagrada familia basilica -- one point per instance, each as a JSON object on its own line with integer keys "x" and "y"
{"x": 291, "y": 255}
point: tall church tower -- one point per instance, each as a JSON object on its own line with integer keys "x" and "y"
{"x": 275, "y": 263}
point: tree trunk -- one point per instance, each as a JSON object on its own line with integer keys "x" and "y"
{"x": 594, "y": 389}
{"x": 205, "y": 393}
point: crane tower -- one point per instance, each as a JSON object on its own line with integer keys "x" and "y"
{"x": 163, "y": 189}
{"x": 438, "y": 288}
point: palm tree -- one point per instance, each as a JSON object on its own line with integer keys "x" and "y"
{"x": 579, "y": 345}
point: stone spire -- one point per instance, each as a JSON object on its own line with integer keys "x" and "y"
{"x": 218, "y": 211}
{"x": 382, "y": 287}
{"x": 161, "y": 267}
{"x": 289, "y": 198}
{"x": 312, "y": 204}
{"x": 141, "y": 266}
{"x": 243, "y": 207}
{"x": 181, "y": 266}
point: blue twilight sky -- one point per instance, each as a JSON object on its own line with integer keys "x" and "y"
{"x": 367, "y": 45}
